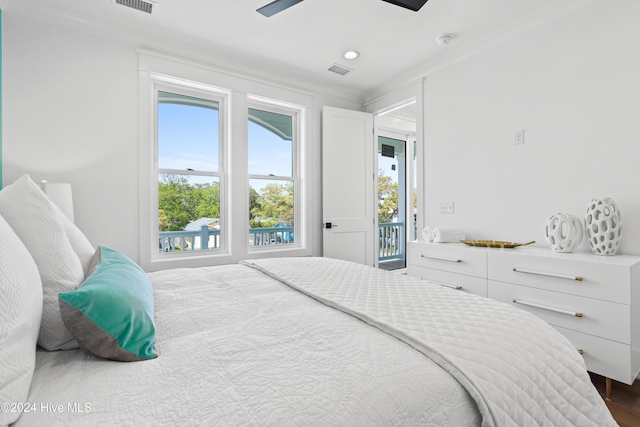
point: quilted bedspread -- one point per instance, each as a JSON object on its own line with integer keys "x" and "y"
{"x": 518, "y": 369}
{"x": 239, "y": 348}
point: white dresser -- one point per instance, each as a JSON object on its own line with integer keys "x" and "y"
{"x": 450, "y": 264}
{"x": 593, "y": 300}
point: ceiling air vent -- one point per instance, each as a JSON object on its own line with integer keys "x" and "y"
{"x": 141, "y": 5}
{"x": 340, "y": 69}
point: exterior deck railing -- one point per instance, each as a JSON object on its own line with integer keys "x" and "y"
{"x": 206, "y": 238}
{"x": 390, "y": 235}
{"x": 391, "y": 238}
{"x": 270, "y": 236}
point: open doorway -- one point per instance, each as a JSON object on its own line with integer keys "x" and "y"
{"x": 350, "y": 178}
{"x": 392, "y": 215}
{"x": 396, "y": 189}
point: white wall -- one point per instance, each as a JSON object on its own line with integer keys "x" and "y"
{"x": 573, "y": 85}
{"x": 70, "y": 113}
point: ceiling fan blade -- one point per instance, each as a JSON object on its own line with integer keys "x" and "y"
{"x": 414, "y": 5}
{"x": 277, "y": 6}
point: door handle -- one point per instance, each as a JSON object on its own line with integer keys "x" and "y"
{"x": 329, "y": 225}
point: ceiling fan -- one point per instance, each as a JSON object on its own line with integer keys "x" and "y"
{"x": 280, "y": 5}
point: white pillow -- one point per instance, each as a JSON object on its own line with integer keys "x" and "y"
{"x": 20, "y": 312}
{"x": 34, "y": 219}
{"x": 79, "y": 242}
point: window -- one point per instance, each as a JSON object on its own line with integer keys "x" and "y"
{"x": 273, "y": 174}
{"x": 189, "y": 170}
{"x": 220, "y": 156}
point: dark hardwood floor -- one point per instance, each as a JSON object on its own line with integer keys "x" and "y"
{"x": 625, "y": 401}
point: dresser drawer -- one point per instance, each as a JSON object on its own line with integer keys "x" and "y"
{"x": 473, "y": 285}
{"x": 452, "y": 257}
{"x": 603, "y": 357}
{"x": 599, "y": 277}
{"x": 600, "y": 318}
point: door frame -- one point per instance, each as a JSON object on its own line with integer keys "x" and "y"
{"x": 385, "y": 103}
{"x": 404, "y": 210}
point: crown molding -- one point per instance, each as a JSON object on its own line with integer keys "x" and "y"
{"x": 179, "y": 45}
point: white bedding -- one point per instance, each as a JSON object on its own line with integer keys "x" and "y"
{"x": 239, "y": 348}
{"x": 519, "y": 370}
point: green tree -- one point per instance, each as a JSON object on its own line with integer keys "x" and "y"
{"x": 274, "y": 205}
{"x": 207, "y": 199}
{"x": 180, "y": 202}
{"x": 387, "y": 197}
{"x": 172, "y": 201}
{"x": 162, "y": 220}
{"x": 254, "y": 203}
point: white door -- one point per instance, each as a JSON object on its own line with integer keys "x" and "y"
{"x": 348, "y": 179}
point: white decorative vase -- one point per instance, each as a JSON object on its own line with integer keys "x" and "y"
{"x": 563, "y": 232}
{"x": 603, "y": 226}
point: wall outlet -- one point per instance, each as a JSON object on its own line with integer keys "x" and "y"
{"x": 446, "y": 207}
{"x": 518, "y": 137}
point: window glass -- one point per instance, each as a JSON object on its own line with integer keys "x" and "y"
{"x": 189, "y": 191}
{"x": 270, "y": 143}
{"x": 271, "y": 212}
{"x": 271, "y": 162}
{"x": 188, "y": 134}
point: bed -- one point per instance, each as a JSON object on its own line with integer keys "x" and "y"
{"x": 269, "y": 342}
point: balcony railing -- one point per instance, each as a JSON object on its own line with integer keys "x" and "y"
{"x": 206, "y": 238}
{"x": 270, "y": 236}
{"x": 391, "y": 238}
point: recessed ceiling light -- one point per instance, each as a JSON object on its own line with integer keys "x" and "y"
{"x": 444, "y": 39}
{"x": 351, "y": 54}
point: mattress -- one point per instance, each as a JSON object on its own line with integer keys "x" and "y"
{"x": 237, "y": 347}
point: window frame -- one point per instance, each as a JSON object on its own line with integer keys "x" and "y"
{"x": 297, "y": 113}
{"x": 222, "y": 97}
{"x": 238, "y": 87}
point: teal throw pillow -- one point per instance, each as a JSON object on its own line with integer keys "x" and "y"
{"x": 111, "y": 313}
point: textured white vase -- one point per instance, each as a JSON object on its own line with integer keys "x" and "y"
{"x": 563, "y": 232}
{"x": 603, "y": 226}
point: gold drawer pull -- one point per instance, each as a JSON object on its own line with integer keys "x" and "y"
{"x": 439, "y": 258}
{"x": 544, "y": 307}
{"x": 542, "y": 273}
{"x": 446, "y": 285}
{"x": 580, "y": 351}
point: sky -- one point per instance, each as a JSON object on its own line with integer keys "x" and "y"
{"x": 188, "y": 138}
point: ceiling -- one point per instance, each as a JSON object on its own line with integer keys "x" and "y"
{"x": 303, "y": 41}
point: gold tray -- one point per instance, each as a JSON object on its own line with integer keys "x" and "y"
{"x": 494, "y": 243}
